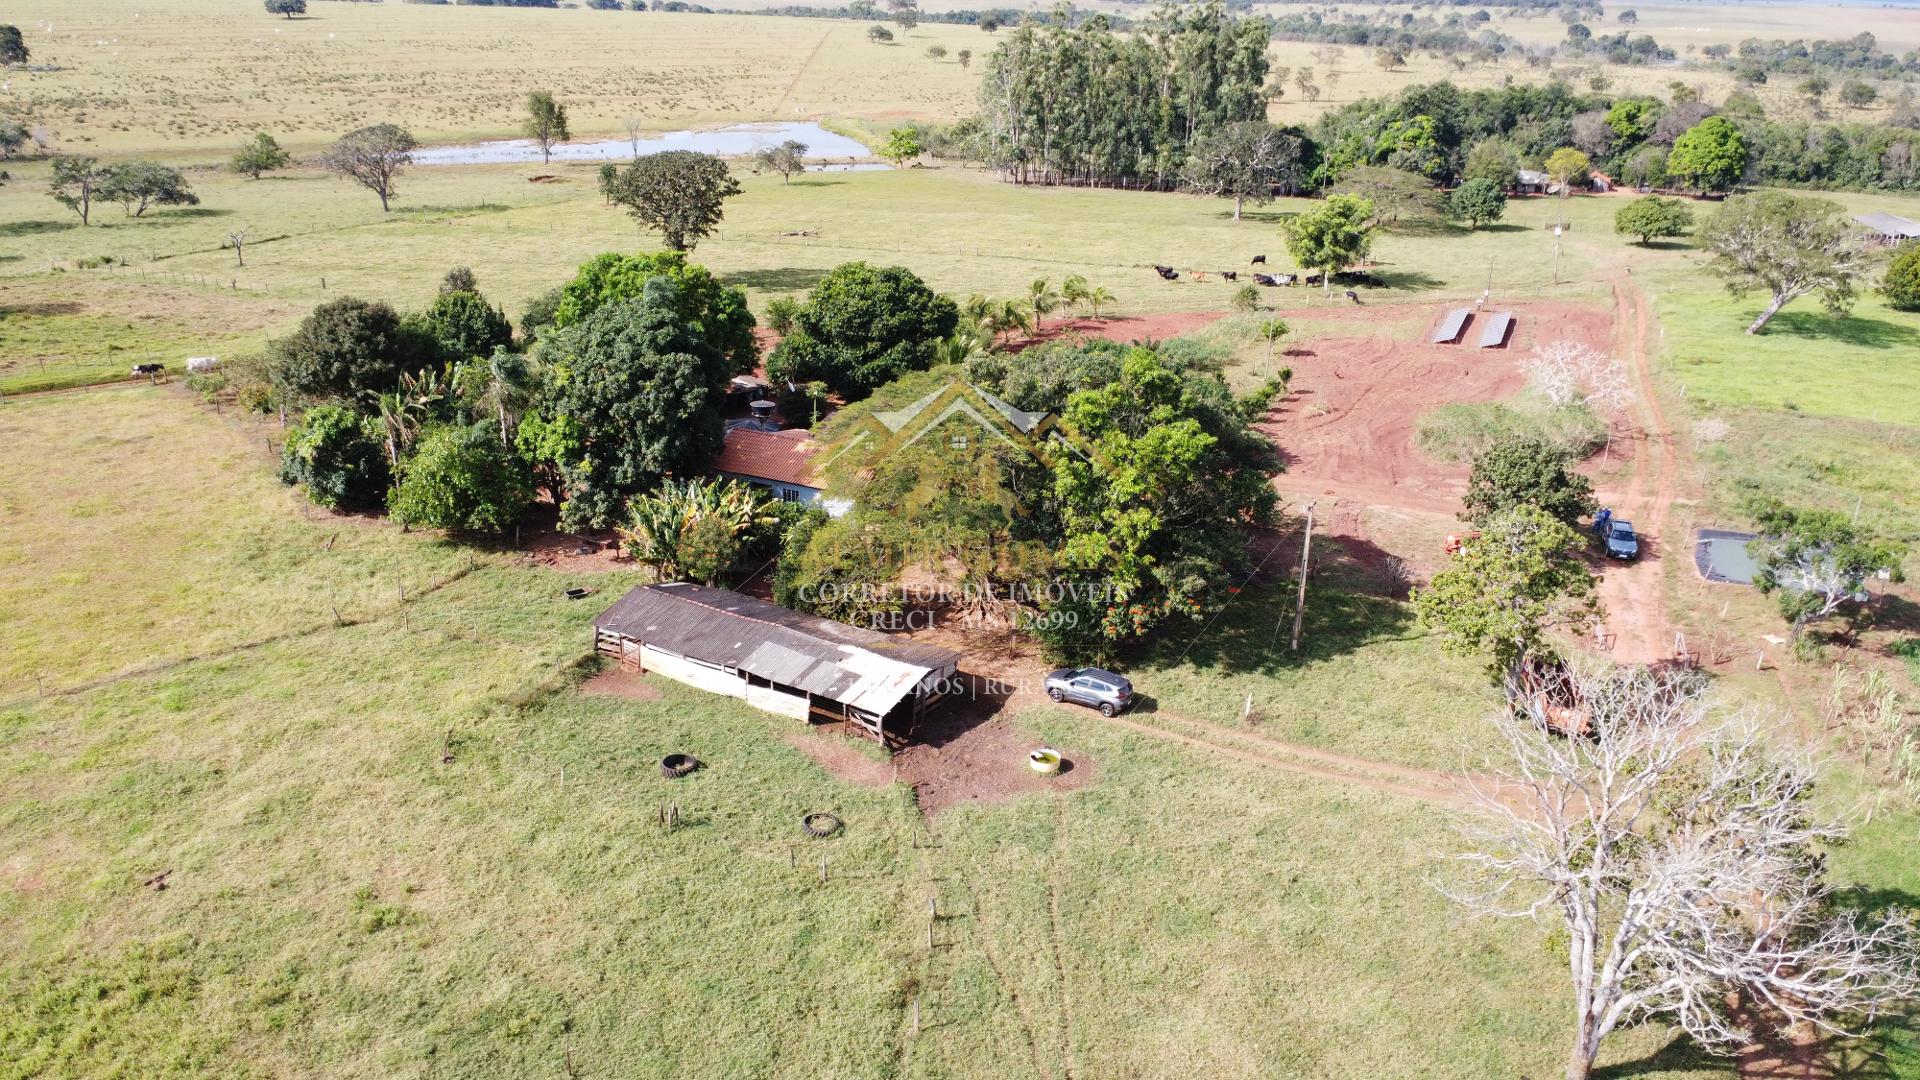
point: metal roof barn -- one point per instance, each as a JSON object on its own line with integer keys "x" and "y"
{"x": 776, "y": 657}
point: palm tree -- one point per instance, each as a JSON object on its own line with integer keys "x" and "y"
{"x": 1098, "y": 296}
{"x": 1042, "y": 299}
{"x": 816, "y": 392}
{"x": 1073, "y": 291}
{"x": 962, "y": 345}
{"x": 1006, "y": 316}
{"x": 1272, "y": 331}
{"x": 508, "y": 389}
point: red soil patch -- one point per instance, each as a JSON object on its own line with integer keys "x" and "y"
{"x": 836, "y": 753}
{"x": 966, "y": 754}
{"x": 1122, "y": 328}
{"x": 621, "y": 682}
{"x": 969, "y": 754}
{"x": 1347, "y": 427}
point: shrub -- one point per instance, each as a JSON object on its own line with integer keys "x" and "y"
{"x": 346, "y": 348}
{"x": 337, "y": 454}
{"x": 780, "y": 314}
{"x": 1462, "y": 431}
{"x": 1246, "y": 298}
{"x": 465, "y": 326}
{"x": 1901, "y": 286}
{"x": 461, "y": 478}
{"x": 864, "y": 326}
{"x": 1523, "y": 471}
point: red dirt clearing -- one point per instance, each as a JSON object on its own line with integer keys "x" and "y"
{"x": 966, "y": 753}
{"x": 1122, "y": 328}
{"x": 1347, "y": 427}
{"x": 622, "y": 683}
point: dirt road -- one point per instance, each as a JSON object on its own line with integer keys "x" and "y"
{"x": 1637, "y": 627}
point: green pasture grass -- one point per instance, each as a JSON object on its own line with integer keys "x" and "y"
{"x": 87, "y": 326}
{"x": 344, "y": 901}
{"x": 312, "y": 238}
{"x": 1460, "y": 431}
{"x": 1368, "y": 680}
{"x": 136, "y": 529}
{"x": 1855, "y": 466}
{"x": 1861, "y": 366}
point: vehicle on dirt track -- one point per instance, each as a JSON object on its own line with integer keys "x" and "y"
{"x": 1621, "y": 542}
{"x": 1093, "y": 687}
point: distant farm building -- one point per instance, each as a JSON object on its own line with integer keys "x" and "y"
{"x": 1889, "y": 228}
{"x": 1531, "y": 182}
{"x": 777, "y": 659}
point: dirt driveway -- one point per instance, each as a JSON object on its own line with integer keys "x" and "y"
{"x": 1347, "y": 433}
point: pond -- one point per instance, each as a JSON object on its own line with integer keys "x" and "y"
{"x": 1722, "y": 556}
{"x": 739, "y": 140}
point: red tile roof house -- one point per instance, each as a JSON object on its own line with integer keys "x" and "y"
{"x": 779, "y": 460}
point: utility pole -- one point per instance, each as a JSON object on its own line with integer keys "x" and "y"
{"x": 1300, "y": 604}
{"x": 1557, "y": 229}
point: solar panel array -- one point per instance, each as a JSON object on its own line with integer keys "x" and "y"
{"x": 1496, "y": 331}
{"x": 1450, "y": 327}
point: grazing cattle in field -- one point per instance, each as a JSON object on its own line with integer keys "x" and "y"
{"x": 1264, "y": 279}
{"x": 1353, "y": 296}
{"x": 1259, "y": 260}
{"x": 1313, "y": 279}
{"x": 1167, "y": 273}
{"x": 1230, "y": 275}
{"x": 1287, "y": 279}
{"x": 200, "y": 365}
{"x": 151, "y": 371}
{"x": 1197, "y": 275}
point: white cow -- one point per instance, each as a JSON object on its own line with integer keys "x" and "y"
{"x": 200, "y": 365}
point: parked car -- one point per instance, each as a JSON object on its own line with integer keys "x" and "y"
{"x": 1621, "y": 542}
{"x": 1091, "y": 686}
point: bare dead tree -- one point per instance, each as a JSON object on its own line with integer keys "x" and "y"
{"x": 1569, "y": 373}
{"x": 633, "y": 124}
{"x": 1675, "y": 845}
{"x": 238, "y": 242}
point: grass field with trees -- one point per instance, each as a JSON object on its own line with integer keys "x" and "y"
{"x": 286, "y": 790}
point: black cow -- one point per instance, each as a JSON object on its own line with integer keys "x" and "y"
{"x": 1167, "y": 272}
{"x": 1259, "y": 260}
{"x": 1264, "y": 279}
{"x": 1230, "y": 275}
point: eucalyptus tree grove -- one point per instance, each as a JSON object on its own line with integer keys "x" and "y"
{"x": 1083, "y": 105}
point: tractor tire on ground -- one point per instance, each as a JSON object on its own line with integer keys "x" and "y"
{"x": 675, "y": 766}
{"x": 819, "y": 824}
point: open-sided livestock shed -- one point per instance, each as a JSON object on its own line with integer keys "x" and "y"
{"x": 776, "y": 658}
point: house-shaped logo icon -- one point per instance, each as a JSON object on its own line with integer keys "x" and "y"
{"x": 963, "y": 414}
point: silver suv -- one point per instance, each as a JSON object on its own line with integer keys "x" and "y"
{"x": 1091, "y": 686}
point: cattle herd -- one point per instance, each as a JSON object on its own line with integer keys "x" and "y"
{"x": 1344, "y": 277}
